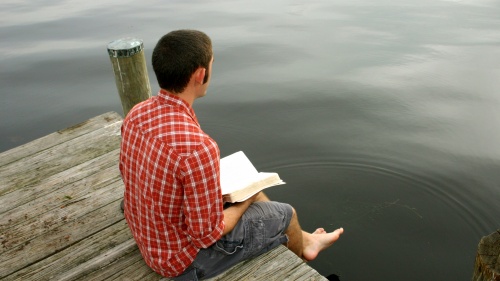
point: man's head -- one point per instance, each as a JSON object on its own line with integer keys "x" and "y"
{"x": 178, "y": 55}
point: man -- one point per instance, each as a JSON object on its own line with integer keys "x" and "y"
{"x": 170, "y": 167}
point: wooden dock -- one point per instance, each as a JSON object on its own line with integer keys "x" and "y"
{"x": 60, "y": 215}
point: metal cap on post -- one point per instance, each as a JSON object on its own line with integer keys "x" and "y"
{"x": 131, "y": 75}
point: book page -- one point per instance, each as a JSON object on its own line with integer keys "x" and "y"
{"x": 236, "y": 172}
{"x": 240, "y": 179}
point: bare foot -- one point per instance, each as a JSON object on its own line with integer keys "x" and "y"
{"x": 318, "y": 241}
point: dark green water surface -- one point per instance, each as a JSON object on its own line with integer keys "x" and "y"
{"x": 383, "y": 117}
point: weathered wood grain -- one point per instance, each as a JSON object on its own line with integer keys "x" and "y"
{"x": 29, "y": 251}
{"x": 487, "y": 265}
{"x": 129, "y": 267}
{"x": 58, "y": 137}
{"x": 58, "y": 190}
{"x": 46, "y": 163}
{"x": 67, "y": 212}
{"x": 131, "y": 73}
{"x": 78, "y": 253}
{"x": 278, "y": 264}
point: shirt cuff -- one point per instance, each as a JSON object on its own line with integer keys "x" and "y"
{"x": 210, "y": 239}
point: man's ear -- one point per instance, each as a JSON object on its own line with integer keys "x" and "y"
{"x": 199, "y": 75}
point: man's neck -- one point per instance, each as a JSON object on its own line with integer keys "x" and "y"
{"x": 195, "y": 88}
{"x": 186, "y": 95}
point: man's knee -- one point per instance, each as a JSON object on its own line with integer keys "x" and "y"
{"x": 294, "y": 221}
{"x": 294, "y": 213}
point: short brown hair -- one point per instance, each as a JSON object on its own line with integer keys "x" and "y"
{"x": 177, "y": 55}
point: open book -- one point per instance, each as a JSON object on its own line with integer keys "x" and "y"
{"x": 240, "y": 180}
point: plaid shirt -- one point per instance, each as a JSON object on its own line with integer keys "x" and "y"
{"x": 170, "y": 167}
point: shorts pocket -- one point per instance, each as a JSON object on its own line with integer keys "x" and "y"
{"x": 228, "y": 247}
{"x": 257, "y": 234}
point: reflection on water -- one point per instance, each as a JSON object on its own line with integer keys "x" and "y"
{"x": 383, "y": 118}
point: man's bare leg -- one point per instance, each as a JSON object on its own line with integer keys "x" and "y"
{"x": 308, "y": 245}
{"x": 305, "y": 245}
{"x": 295, "y": 236}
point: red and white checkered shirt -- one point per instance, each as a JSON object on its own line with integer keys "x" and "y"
{"x": 170, "y": 167}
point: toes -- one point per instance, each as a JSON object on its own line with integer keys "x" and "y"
{"x": 319, "y": 231}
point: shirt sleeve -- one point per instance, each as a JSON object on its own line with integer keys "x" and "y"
{"x": 203, "y": 205}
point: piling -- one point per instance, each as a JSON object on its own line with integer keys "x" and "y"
{"x": 487, "y": 266}
{"x": 131, "y": 75}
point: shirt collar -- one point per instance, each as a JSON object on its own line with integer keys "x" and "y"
{"x": 176, "y": 101}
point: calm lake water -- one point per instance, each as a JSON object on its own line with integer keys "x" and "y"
{"x": 383, "y": 117}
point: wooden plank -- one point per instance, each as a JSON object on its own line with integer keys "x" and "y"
{"x": 58, "y": 137}
{"x": 130, "y": 267}
{"x": 94, "y": 264}
{"x": 78, "y": 253}
{"x": 278, "y": 264}
{"x": 54, "y": 239}
{"x": 22, "y": 204}
{"x": 66, "y": 155}
{"x": 62, "y": 211}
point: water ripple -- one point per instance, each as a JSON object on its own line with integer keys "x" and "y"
{"x": 452, "y": 199}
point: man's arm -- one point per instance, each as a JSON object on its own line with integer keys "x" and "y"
{"x": 234, "y": 213}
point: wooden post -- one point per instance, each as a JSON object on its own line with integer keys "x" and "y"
{"x": 487, "y": 266}
{"x": 131, "y": 74}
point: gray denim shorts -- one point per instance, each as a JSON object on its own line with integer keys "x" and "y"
{"x": 261, "y": 229}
